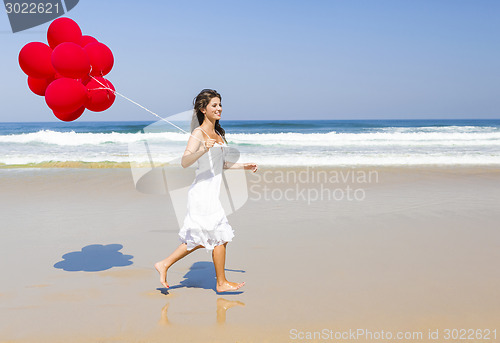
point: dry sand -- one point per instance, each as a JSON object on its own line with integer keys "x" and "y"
{"x": 419, "y": 252}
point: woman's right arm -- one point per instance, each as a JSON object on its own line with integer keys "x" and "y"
{"x": 194, "y": 150}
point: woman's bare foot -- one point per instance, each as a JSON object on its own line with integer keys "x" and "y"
{"x": 229, "y": 286}
{"x": 162, "y": 269}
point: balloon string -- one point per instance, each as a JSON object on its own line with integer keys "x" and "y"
{"x": 132, "y": 101}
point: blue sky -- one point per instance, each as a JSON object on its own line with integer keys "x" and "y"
{"x": 332, "y": 59}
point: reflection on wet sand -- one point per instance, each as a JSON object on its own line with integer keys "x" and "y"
{"x": 164, "y": 317}
{"x": 222, "y": 306}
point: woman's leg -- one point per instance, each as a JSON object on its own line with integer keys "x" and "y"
{"x": 219, "y": 257}
{"x": 178, "y": 253}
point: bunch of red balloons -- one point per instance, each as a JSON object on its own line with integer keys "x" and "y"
{"x": 69, "y": 71}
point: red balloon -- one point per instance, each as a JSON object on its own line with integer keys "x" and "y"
{"x": 70, "y": 60}
{"x": 70, "y": 116}
{"x": 87, "y": 40}
{"x": 100, "y": 99}
{"x": 85, "y": 80}
{"x": 63, "y": 30}
{"x": 38, "y": 86}
{"x": 101, "y": 58}
{"x": 65, "y": 95}
{"x": 35, "y": 60}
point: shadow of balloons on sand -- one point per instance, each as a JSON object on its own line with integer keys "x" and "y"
{"x": 94, "y": 258}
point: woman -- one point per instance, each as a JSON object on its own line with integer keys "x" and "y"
{"x": 205, "y": 224}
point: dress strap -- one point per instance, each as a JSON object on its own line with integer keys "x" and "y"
{"x": 209, "y": 136}
{"x": 203, "y": 131}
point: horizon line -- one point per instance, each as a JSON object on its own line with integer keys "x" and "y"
{"x": 247, "y": 120}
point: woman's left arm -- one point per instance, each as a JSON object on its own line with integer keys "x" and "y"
{"x": 249, "y": 166}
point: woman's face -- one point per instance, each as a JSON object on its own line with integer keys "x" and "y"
{"x": 213, "y": 110}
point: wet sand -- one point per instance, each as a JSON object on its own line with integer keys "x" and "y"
{"x": 413, "y": 249}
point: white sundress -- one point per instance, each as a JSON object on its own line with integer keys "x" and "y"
{"x": 205, "y": 222}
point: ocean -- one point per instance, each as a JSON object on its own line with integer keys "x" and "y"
{"x": 265, "y": 142}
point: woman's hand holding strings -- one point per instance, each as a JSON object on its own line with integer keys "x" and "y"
{"x": 209, "y": 143}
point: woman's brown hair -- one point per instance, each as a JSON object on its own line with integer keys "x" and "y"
{"x": 201, "y": 101}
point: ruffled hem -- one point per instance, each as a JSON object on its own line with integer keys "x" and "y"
{"x": 193, "y": 234}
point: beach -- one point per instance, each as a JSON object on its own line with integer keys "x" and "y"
{"x": 413, "y": 249}
{"x": 368, "y": 212}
